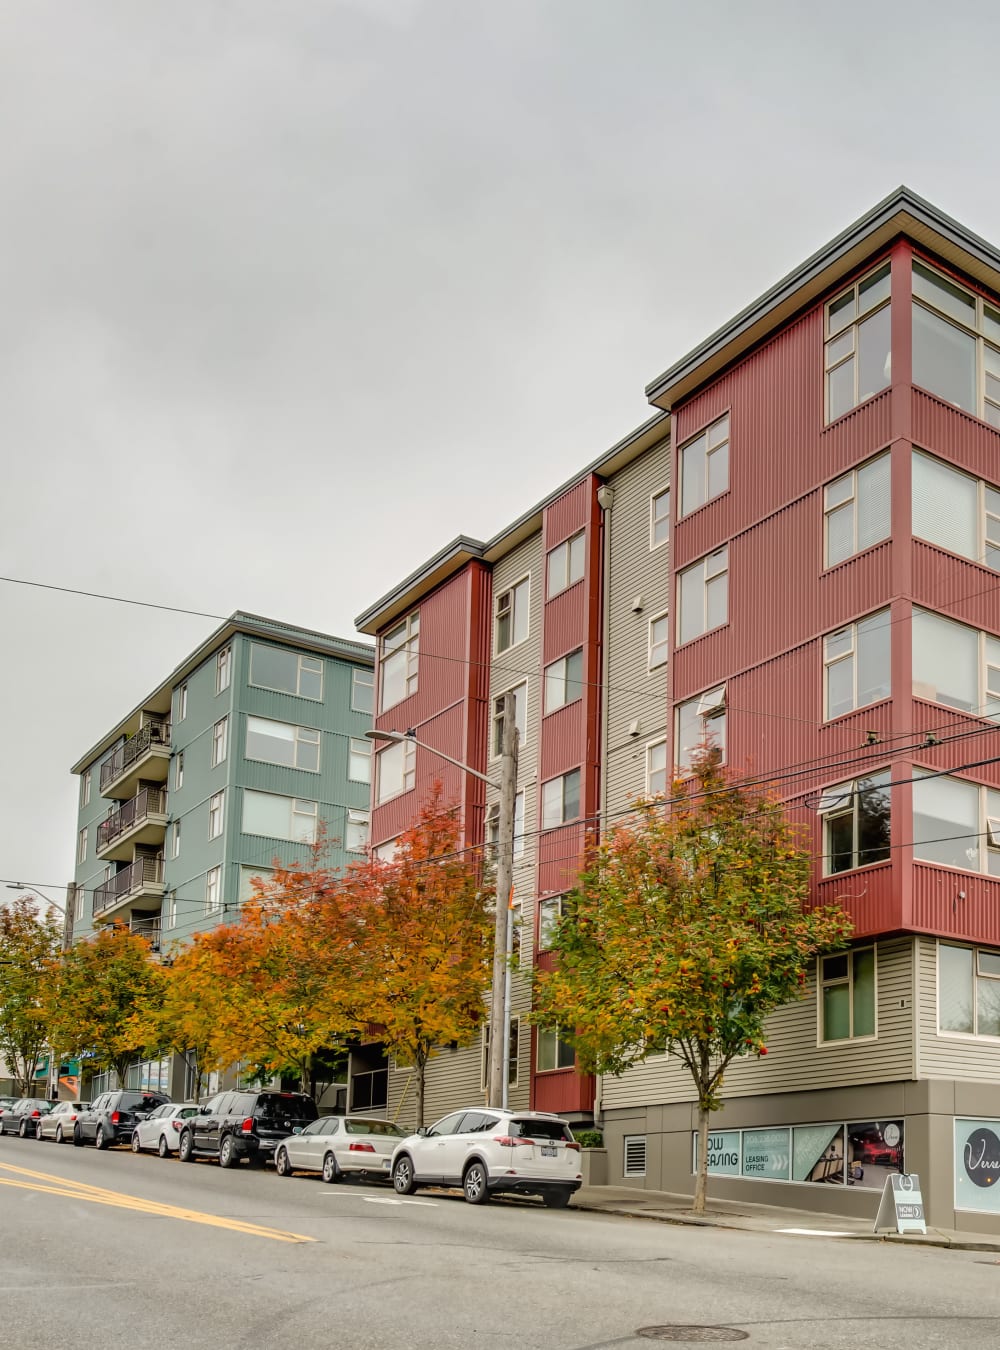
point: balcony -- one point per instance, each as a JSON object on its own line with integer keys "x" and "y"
{"x": 140, "y": 820}
{"x": 139, "y": 883}
{"x": 144, "y": 756}
{"x": 148, "y": 929}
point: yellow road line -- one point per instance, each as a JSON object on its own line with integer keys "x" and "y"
{"x": 48, "y": 1184}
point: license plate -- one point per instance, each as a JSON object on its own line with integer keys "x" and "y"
{"x": 548, "y": 1150}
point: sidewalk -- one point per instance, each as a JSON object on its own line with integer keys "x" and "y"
{"x": 664, "y": 1207}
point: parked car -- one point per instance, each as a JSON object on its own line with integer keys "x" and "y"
{"x": 7, "y": 1105}
{"x": 337, "y": 1145}
{"x": 58, "y": 1123}
{"x": 236, "y": 1125}
{"x": 20, "y": 1119}
{"x": 113, "y": 1116}
{"x": 487, "y": 1152}
{"x": 162, "y": 1128}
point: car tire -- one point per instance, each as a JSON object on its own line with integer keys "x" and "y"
{"x": 331, "y": 1170}
{"x": 475, "y": 1183}
{"x": 228, "y": 1157}
{"x": 100, "y": 1139}
{"x": 185, "y": 1150}
{"x": 403, "y": 1180}
{"x": 59, "y": 1134}
{"x": 163, "y": 1148}
{"x": 556, "y": 1199}
{"x": 77, "y": 1137}
{"x": 38, "y": 1130}
{"x": 22, "y": 1130}
{"x": 136, "y": 1146}
{"x": 282, "y": 1163}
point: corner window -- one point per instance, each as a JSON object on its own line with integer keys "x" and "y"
{"x": 659, "y": 518}
{"x": 968, "y": 990}
{"x": 956, "y": 823}
{"x": 400, "y": 660}
{"x": 955, "y": 511}
{"x": 223, "y": 669}
{"x": 493, "y": 826}
{"x": 858, "y": 343}
{"x": 847, "y": 994}
{"x": 656, "y": 769}
{"x": 362, "y": 690}
{"x": 552, "y": 1052}
{"x": 286, "y": 672}
{"x": 659, "y": 641}
{"x": 856, "y": 510}
{"x": 703, "y": 596}
{"x": 549, "y": 914}
{"x": 292, "y": 747}
{"x": 182, "y": 703}
{"x": 955, "y": 665}
{"x": 216, "y": 814}
{"x": 220, "y": 739}
{"x": 520, "y": 696}
{"x": 561, "y": 799}
{"x": 564, "y": 681}
{"x": 396, "y": 770}
{"x": 565, "y": 564}
{"x": 704, "y": 466}
{"x": 512, "y": 616}
{"x": 85, "y": 778}
{"x": 359, "y": 760}
{"x": 856, "y": 821}
{"x": 956, "y": 344}
{"x": 213, "y": 890}
{"x": 856, "y": 665}
{"x": 356, "y": 833}
{"x": 701, "y": 721}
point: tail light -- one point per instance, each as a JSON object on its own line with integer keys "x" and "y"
{"x": 506, "y": 1141}
{"x": 247, "y": 1126}
{"x": 35, "y": 1113}
{"x": 573, "y": 1145}
{"x": 72, "y": 1117}
{"x": 115, "y": 1117}
{"x": 176, "y": 1124}
{"x": 361, "y": 1148}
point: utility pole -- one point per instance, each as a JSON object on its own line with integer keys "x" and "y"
{"x": 499, "y": 1043}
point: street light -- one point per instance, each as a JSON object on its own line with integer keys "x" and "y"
{"x": 498, "y": 1050}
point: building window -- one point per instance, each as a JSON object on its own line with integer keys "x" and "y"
{"x": 564, "y": 681}
{"x": 659, "y": 641}
{"x": 216, "y": 813}
{"x": 856, "y": 665}
{"x": 956, "y": 823}
{"x": 955, "y": 665}
{"x": 362, "y": 690}
{"x": 400, "y": 659}
{"x": 179, "y": 770}
{"x": 856, "y": 510}
{"x": 356, "y": 834}
{"x": 276, "y": 817}
{"x": 847, "y": 995}
{"x": 286, "y": 672}
{"x": 85, "y": 788}
{"x": 512, "y": 1048}
{"x": 359, "y": 760}
{"x": 170, "y": 910}
{"x": 858, "y": 343}
{"x": 396, "y": 766}
{"x": 856, "y": 819}
{"x": 552, "y": 1052}
{"x": 703, "y": 596}
{"x": 656, "y": 769}
{"x": 968, "y": 990}
{"x": 704, "y": 466}
{"x": 520, "y": 696}
{"x": 220, "y": 738}
{"x": 493, "y": 826}
{"x": 561, "y": 799}
{"x": 81, "y": 846}
{"x": 182, "y": 703}
{"x": 549, "y": 914}
{"x": 565, "y": 564}
{"x": 512, "y": 616}
{"x": 223, "y": 669}
{"x": 175, "y": 840}
{"x": 701, "y": 721}
{"x": 292, "y": 747}
{"x": 956, "y": 512}
{"x": 386, "y": 852}
{"x": 78, "y": 902}
{"x": 659, "y": 518}
{"x": 213, "y": 890}
{"x": 248, "y": 891}
{"x": 956, "y": 344}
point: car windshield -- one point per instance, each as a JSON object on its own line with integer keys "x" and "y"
{"x": 374, "y": 1127}
{"x": 539, "y": 1129}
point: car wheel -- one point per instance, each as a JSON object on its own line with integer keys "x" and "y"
{"x": 186, "y": 1150}
{"x": 228, "y": 1157}
{"x": 282, "y": 1165}
{"x": 100, "y": 1140}
{"x": 475, "y": 1184}
{"x": 77, "y": 1137}
{"x": 403, "y": 1179}
{"x": 22, "y": 1130}
{"x": 331, "y": 1170}
{"x": 59, "y": 1134}
{"x": 38, "y": 1130}
{"x": 556, "y": 1199}
{"x": 163, "y": 1148}
{"x": 136, "y": 1146}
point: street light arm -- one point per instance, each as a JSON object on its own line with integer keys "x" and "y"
{"x": 21, "y": 887}
{"x": 398, "y": 737}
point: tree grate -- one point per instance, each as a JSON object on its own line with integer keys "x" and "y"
{"x": 691, "y": 1334}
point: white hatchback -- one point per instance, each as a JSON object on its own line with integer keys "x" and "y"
{"x": 489, "y": 1152}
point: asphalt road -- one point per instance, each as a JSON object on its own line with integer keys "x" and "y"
{"x": 161, "y": 1253}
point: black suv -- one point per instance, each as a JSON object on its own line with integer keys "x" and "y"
{"x": 235, "y": 1125}
{"x": 112, "y": 1117}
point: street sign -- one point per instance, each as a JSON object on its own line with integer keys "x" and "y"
{"x": 902, "y": 1205}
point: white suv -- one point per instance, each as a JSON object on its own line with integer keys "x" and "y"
{"x": 486, "y": 1151}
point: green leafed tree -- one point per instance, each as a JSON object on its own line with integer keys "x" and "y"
{"x": 28, "y": 943}
{"x": 690, "y": 925}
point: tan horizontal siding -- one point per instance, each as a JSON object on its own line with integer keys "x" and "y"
{"x": 966, "y": 1058}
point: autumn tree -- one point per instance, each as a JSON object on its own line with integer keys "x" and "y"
{"x": 28, "y": 943}
{"x": 186, "y": 1020}
{"x": 100, "y": 999}
{"x": 688, "y": 928}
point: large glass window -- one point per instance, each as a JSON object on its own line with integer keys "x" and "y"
{"x": 856, "y": 510}
{"x": 512, "y": 615}
{"x": 276, "y": 817}
{"x": 520, "y": 696}
{"x": 858, "y": 343}
{"x": 400, "y": 661}
{"x": 704, "y": 466}
{"x": 847, "y": 994}
{"x": 396, "y": 770}
{"x": 956, "y": 344}
{"x": 565, "y": 564}
{"x": 552, "y": 1052}
{"x": 956, "y": 823}
{"x": 856, "y": 820}
{"x": 700, "y": 721}
{"x": 564, "y": 681}
{"x": 956, "y": 665}
{"x": 561, "y": 799}
{"x": 968, "y": 990}
{"x": 286, "y": 671}
{"x": 703, "y": 596}
{"x": 856, "y": 664}
{"x": 272, "y": 742}
{"x": 956, "y": 512}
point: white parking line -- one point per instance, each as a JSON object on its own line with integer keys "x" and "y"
{"x": 813, "y": 1232}
{"x": 379, "y": 1200}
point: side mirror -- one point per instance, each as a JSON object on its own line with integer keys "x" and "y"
{"x": 296, "y": 1129}
{"x": 205, "y": 1111}
{"x": 422, "y": 1130}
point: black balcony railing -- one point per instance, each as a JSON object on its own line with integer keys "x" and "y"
{"x": 143, "y": 872}
{"x": 153, "y": 733}
{"x": 150, "y": 801}
{"x": 148, "y": 929}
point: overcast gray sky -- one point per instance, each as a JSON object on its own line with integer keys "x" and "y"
{"x": 292, "y": 293}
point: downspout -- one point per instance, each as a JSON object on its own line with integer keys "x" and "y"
{"x": 606, "y": 500}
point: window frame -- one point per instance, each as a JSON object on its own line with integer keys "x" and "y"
{"x": 975, "y": 330}
{"x": 852, "y": 327}
{"x": 657, "y": 519}
{"x": 706, "y": 580}
{"x": 520, "y": 692}
{"x": 853, "y": 654}
{"x": 712, "y": 707}
{"x": 653, "y": 661}
{"x": 832, "y": 806}
{"x": 564, "y": 553}
{"x": 408, "y": 767}
{"x": 984, "y": 693}
{"x": 824, "y": 982}
{"x": 178, "y": 770}
{"x": 660, "y": 744}
{"x": 213, "y": 883}
{"x": 550, "y": 911}
{"x": 223, "y": 668}
{"x": 984, "y": 543}
{"x": 220, "y": 741}
{"x": 561, "y": 779}
{"x": 359, "y": 682}
{"x": 217, "y": 814}
{"x": 976, "y": 949}
{"x": 512, "y": 592}
{"x": 300, "y": 657}
{"x": 82, "y": 842}
{"x": 182, "y": 702}
{"x": 175, "y": 839}
{"x": 403, "y": 655}
{"x": 355, "y": 817}
{"x": 710, "y": 450}
{"x": 513, "y": 1052}
{"x": 986, "y": 827}
{"x": 85, "y": 783}
{"x": 491, "y": 828}
{"x": 296, "y": 740}
{"x": 555, "y": 678}
{"x": 559, "y": 1047}
{"x": 854, "y": 498}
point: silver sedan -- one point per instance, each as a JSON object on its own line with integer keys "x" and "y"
{"x": 162, "y": 1128}
{"x": 59, "y": 1122}
{"x": 336, "y": 1146}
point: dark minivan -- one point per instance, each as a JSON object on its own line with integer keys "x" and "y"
{"x": 235, "y": 1125}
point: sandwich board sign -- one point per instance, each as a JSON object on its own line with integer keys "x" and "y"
{"x": 902, "y": 1205}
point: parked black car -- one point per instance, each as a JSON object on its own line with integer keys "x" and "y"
{"x": 21, "y": 1118}
{"x": 112, "y": 1117}
{"x": 235, "y": 1125}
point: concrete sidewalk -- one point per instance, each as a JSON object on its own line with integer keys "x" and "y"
{"x": 664, "y": 1207}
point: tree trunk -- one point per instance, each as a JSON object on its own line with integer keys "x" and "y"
{"x": 701, "y": 1177}
{"x": 420, "y": 1066}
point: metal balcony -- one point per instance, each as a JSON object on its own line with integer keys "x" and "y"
{"x": 148, "y": 929}
{"x": 140, "y": 820}
{"x": 144, "y": 756}
{"x": 139, "y": 883}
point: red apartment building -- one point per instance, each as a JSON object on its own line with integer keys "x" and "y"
{"x": 827, "y": 610}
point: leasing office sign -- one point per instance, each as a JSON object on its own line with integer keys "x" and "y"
{"x": 977, "y": 1165}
